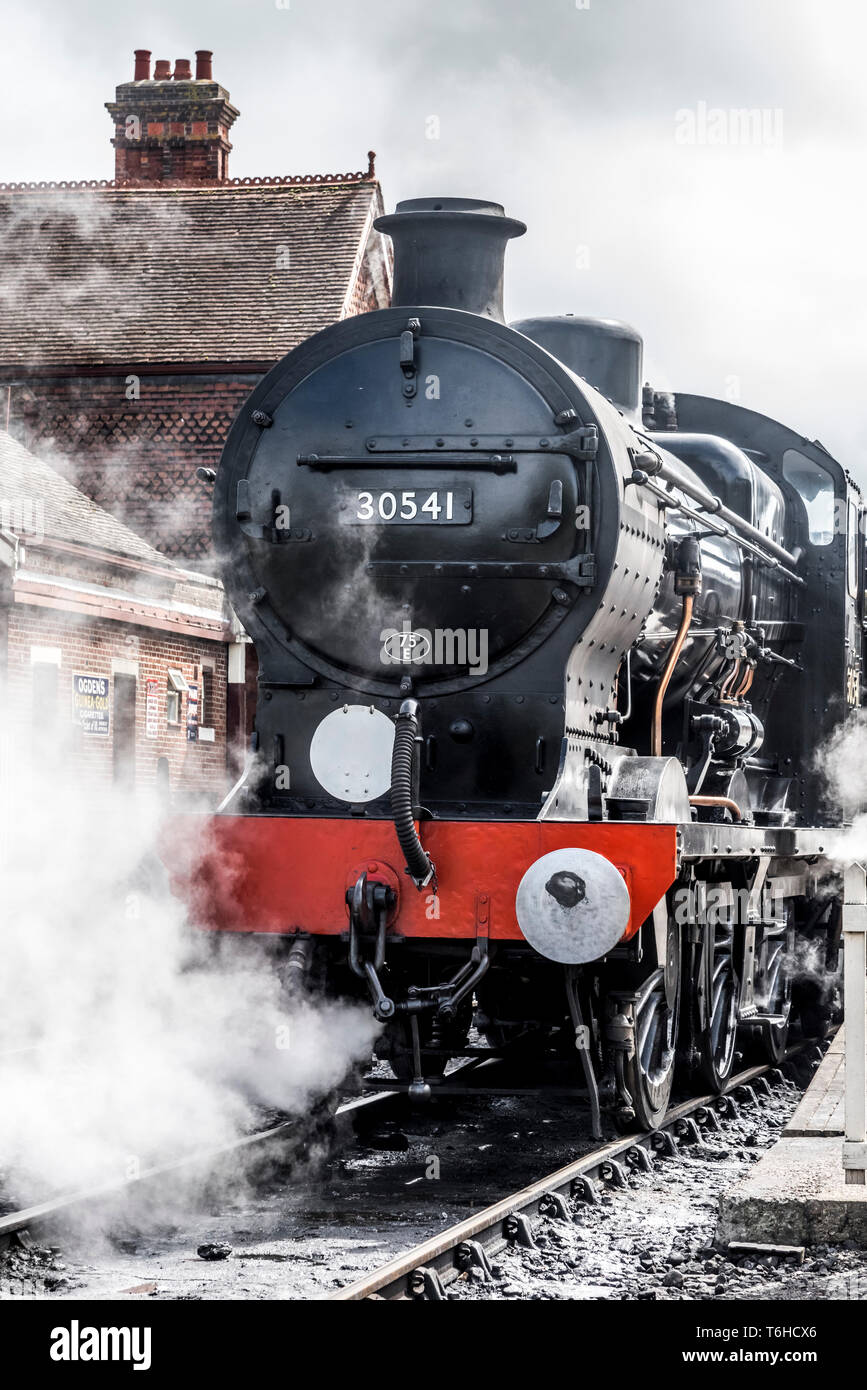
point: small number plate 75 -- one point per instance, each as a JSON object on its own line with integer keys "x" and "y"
{"x": 410, "y": 507}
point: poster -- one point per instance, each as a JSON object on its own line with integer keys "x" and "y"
{"x": 152, "y": 709}
{"x": 90, "y": 696}
{"x": 192, "y": 713}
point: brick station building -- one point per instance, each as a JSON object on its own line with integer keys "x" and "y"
{"x": 113, "y": 658}
{"x": 136, "y": 314}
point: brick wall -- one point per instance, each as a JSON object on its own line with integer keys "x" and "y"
{"x": 173, "y": 159}
{"x": 363, "y": 299}
{"x": 90, "y": 646}
{"x": 133, "y": 443}
{"x": 135, "y": 457}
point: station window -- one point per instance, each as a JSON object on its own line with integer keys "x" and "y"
{"x": 177, "y": 684}
{"x": 816, "y": 488}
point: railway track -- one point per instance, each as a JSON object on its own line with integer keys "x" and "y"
{"x": 351, "y": 1113}
{"x": 9, "y": 1053}
{"x": 426, "y": 1272}
{"x": 345, "y": 1117}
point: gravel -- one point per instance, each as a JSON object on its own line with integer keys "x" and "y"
{"x": 654, "y": 1240}
{"x": 303, "y": 1231}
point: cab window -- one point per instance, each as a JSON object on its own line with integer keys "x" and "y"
{"x": 816, "y": 488}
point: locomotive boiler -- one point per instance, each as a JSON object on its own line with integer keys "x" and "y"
{"x": 543, "y": 659}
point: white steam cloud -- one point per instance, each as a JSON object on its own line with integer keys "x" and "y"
{"x": 842, "y": 762}
{"x": 123, "y": 1040}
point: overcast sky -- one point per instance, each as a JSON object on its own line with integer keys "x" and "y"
{"x": 743, "y": 264}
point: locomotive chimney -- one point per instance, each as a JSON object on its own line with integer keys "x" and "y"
{"x": 449, "y": 252}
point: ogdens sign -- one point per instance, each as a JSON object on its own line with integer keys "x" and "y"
{"x": 90, "y": 703}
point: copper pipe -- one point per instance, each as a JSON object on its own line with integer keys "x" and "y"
{"x": 674, "y": 653}
{"x": 725, "y": 801}
{"x": 724, "y": 697}
{"x": 745, "y": 683}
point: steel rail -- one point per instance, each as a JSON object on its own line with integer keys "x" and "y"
{"x": 344, "y": 1116}
{"x": 41, "y": 1211}
{"x": 424, "y": 1272}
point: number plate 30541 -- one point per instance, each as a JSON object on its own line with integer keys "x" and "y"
{"x": 423, "y": 506}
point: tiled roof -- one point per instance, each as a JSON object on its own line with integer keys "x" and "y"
{"x": 35, "y": 498}
{"x": 224, "y": 273}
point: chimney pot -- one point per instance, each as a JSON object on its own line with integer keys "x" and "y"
{"x": 185, "y": 139}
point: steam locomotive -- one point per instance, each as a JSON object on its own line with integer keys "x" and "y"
{"x": 543, "y": 659}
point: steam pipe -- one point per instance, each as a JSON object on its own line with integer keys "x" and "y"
{"x": 729, "y": 533}
{"x": 745, "y": 683}
{"x": 729, "y": 681}
{"x": 674, "y": 653}
{"x": 714, "y": 505}
{"x": 298, "y": 965}
{"x": 628, "y": 660}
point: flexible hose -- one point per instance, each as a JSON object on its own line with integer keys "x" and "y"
{"x": 403, "y": 760}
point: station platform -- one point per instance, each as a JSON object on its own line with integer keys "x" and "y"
{"x": 796, "y": 1194}
{"x": 820, "y": 1114}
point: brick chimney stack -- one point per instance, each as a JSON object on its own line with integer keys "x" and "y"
{"x": 171, "y": 128}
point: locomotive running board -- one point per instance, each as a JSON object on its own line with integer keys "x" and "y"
{"x": 704, "y": 840}
{"x": 287, "y": 874}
